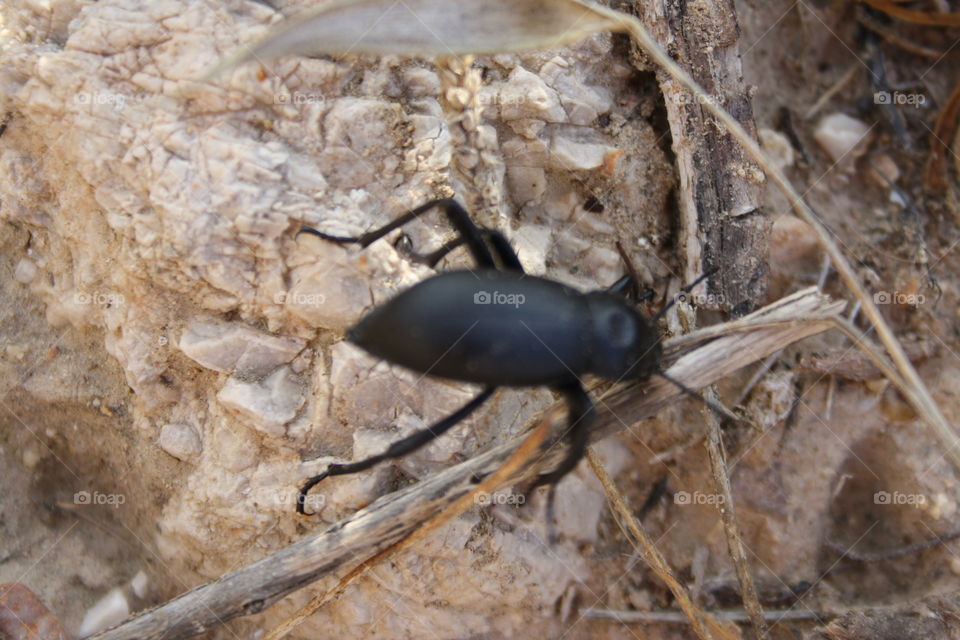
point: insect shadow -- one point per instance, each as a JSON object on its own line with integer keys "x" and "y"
{"x": 497, "y": 326}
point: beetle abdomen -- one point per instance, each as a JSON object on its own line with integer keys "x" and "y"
{"x": 484, "y": 326}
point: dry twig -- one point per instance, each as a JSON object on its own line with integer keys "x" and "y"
{"x": 718, "y": 469}
{"x": 522, "y": 456}
{"x": 915, "y": 17}
{"x": 644, "y": 545}
{"x": 735, "y": 615}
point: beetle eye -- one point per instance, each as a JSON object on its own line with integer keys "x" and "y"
{"x": 621, "y": 331}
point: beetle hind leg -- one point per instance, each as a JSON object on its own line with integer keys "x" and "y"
{"x": 479, "y": 240}
{"x": 456, "y": 214}
{"x": 506, "y": 257}
{"x": 398, "y": 449}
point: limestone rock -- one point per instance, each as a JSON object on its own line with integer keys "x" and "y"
{"x": 236, "y": 348}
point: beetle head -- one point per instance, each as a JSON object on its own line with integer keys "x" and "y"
{"x": 624, "y": 343}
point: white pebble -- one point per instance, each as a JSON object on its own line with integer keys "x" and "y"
{"x": 572, "y": 155}
{"x": 777, "y": 148}
{"x": 840, "y": 135}
{"x": 526, "y": 95}
{"x": 25, "y": 271}
{"x": 180, "y": 440}
{"x": 139, "y": 584}
{"x": 108, "y": 611}
{"x": 270, "y": 404}
{"x": 235, "y": 348}
{"x": 532, "y": 243}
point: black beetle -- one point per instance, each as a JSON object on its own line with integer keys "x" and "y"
{"x": 499, "y": 327}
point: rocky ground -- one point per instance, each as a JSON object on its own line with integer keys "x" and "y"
{"x": 172, "y": 363}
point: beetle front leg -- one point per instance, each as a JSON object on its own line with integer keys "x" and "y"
{"x": 581, "y": 411}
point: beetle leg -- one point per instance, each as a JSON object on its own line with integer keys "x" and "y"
{"x": 455, "y": 213}
{"x": 683, "y": 292}
{"x": 627, "y": 288}
{"x": 399, "y": 448}
{"x": 581, "y": 410}
{"x": 430, "y": 259}
{"x": 629, "y": 285}
{"x": 505, "y": 253}
{"x": 495, "y": 240}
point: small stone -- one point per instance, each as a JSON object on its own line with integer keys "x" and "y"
{"x": 25, "y": 271}
{"x": 578, "y": 509}
{"x": 942, "y": 507}
{"x": 570, "y": 155}
{"x": 421, "y": 83}
{"x": 31, "y": 457}
{"x": 561, "y": 208}
{"x": 842, "y": 136}
{"x": 180, "y": 440}
{"x": 582, "y": 103}
{"x": 139, "y": 584}
{"x": 532, "y": 244}
{"x": 571, "y": 247}
{"x": 777, "y": 147}
{"x": 884, "y": 171}
{"x": 234, "y": 447}
{"x": 791, "y": 240}
{"x": 313, "y": 300}
{"x": 527, "y": 184}
{"x": 16, "y": 351}
{"x": 108, "y": 611}
{"x": 236, "y": 348}
{"x": 955, "y": 565}
{"x": 529, "y": 128}
{"x": 270, "y": 404}
{"x": 526, "y": 95}
{"x": 602, "y": 264}
{"x": 592, "y": 223}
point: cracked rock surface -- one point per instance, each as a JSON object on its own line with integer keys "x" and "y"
{"x": 199, "y": 339}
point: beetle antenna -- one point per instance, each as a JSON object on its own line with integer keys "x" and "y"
{"x": 720, "y": 410}
{"x": 685, "y": 290}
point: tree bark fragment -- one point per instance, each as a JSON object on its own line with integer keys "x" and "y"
{"x": 721, "y": 223}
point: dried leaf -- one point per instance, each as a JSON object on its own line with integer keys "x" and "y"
{"x": 916, "y": 17}
{"x": 427, "y": 28}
